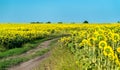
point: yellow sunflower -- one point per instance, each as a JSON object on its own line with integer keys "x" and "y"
{"x": 111, "y": 56}
{"x": 101, "y": 37}
{"x": 115, "y": 37}
{"x": 108, "y": 51}
{"x": 95, "y": 34}
{"x": 85, "y": 42}
{"x": 102, "y": 44}
{"x": 110, "y": 34}
{"x": 105, "y": 33}
{"x": 117, "y": 62}
{"x": 91, "y": 41}
{"x": 118, "y": 49}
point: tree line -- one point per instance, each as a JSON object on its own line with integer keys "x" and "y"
{"x": 85, "y": 22}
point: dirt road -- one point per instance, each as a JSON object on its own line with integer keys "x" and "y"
{"x": 31, "y": 64}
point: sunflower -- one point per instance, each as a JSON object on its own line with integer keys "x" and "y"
{"x": 108, "y": 51}
{"x": 91, "y": 41}
{"x": 85, "y": 42}
{"x": 101, "y": 37}
{"x": 95, "y": 34}
{"x": 115, "y": 37}
{"x": 101, "y": 31}
{"x": 118, "y": 49}
{"x": 65, "y": 39}
{"x": 105, "y": 33}
{"x": 102, "y": 44}
{"x": 111, "y": 56}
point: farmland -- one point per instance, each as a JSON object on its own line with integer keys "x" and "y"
{"x": 90, "y": 46}
{"x": 95, "y": 47}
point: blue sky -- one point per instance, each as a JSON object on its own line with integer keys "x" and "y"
{"x": 59, "y": 10}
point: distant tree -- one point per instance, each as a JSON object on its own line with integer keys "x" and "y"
{"x": 118, "y": 22}
{"x": 85, "y": 22}
{"x": 48, "y": 22}
{"x": 36, "y": 22}
{"x": 60, "y": 22}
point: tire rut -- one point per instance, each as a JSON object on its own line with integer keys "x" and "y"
{"x": 31, "y": 64}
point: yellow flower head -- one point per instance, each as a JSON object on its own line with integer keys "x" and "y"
{"x": 95, "y": 34}
{"x": 102, "y": 44}
{"x": 65, "y": 39}
{"x": 85, "y": 42}
{"x": 101, "y": 37}
{"x": 108, "y": 50}
{"x": 91, "y": 41}
{"x": 110, "y": 34}
{"x": 118, "y": 49}
{"x": 111, "y": 56}
{"x": 105, "y": 33}
{"x": 115, "y": 37}
{"x": 117, "y": 62}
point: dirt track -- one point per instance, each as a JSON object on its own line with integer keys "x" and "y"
{"x": 31, "y": 64}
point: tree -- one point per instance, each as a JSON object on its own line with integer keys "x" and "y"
{"x": 36, "y": 22}
{"x": 60, "y": 22}
{"x": 118, "y": 22}
{"x": 48, "y": 22}
{"x": 86, "y": 22}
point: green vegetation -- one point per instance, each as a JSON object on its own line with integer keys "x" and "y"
{"x": 26, "y": 47}
{"x": 6, "y": 62}
{"x": 11, "y": 62}
{"x": 60, "y": 59}
{"x": 23, "y": 49}
{"x": 85, "y": 22}
{"x": 86, "y": 47}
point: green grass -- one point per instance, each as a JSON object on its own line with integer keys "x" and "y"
{"x": 60, "y": 59}
{"x": 11, "y": 62}
{"x": 25, "y": 47}
{"x": 6, "y": 63}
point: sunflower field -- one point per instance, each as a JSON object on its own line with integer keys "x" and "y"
{"x": 95, "y": 47}
{"x": 14, "y": 35}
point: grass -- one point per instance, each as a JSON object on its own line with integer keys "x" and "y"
{"x": 6, "y": 63}
{"x": 11, "y": 62}
{"x": 24, "y": 48}
{"x": 60, "y": 59}
{"x": 39, "y": 53}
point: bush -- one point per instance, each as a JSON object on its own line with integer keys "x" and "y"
{"x": 86, "y": 22}
{"x": 60, "y": 22}
{"x": 48, "y": 22}
{"x": 118, "y": 22}
{"x": 36, "y": 22}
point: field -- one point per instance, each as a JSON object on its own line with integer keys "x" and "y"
{"x": 86, "y": 46}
